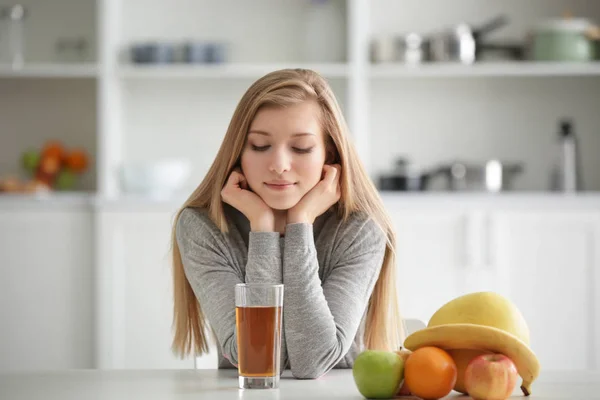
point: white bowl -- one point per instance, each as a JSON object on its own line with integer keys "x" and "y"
{"x": 161, "y": 178}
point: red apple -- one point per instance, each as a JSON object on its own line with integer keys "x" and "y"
{"x": 404, "y": 390}
{"x": 490, "y": 377}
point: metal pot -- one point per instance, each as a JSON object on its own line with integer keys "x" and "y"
{"x": 463, "y": 42}
{"x": 405, "y": 177}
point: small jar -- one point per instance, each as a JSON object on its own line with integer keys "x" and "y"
{"x": 12, "y": 35}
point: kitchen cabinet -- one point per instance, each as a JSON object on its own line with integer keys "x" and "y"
{"x": 46, "y": 289}
{"x": 431, "y": 260}
{"x": 548, "y": 263}
{"x": 136, "y": 290}
{"x": 545, "y": 261}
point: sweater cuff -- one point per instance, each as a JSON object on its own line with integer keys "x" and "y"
{"x": 299, "y": 233}
{"x": 264, "y": 258}
{"x": 263, "y": 244}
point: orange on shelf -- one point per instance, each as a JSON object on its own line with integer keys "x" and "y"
{"x": 49, "y": 165}
{"x": 77, "y": 160}
{"x": 53, "y": 149}
{"x": 430, "y": 373}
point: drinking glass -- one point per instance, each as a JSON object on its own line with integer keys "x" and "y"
{"x": 258, "y": 320}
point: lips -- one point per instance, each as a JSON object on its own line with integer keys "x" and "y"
{"x": 279, "y": 185}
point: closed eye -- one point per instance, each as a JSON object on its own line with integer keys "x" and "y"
{"x": 260, "y": 148}
{"x": 302, "y": 151}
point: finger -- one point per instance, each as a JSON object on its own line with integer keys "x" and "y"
{"x": 243, "y": 182}
{"x": 234, "y": 179}
{"x": 331, "y": 173}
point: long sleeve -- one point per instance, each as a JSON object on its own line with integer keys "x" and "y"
{"x": 321, "y": 319}
{"x": 264, "y": 266}
{"x": 264, "y": 258}
{"x": 213, "y": 273}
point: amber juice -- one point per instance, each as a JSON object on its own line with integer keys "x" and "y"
{"x": 258, "y": 340}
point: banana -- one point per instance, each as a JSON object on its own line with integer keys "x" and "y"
{"x": 480, "y": 337}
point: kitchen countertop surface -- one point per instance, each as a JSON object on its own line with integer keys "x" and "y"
{"x": 222, "y": 384}
{"x": 402, "y": 200}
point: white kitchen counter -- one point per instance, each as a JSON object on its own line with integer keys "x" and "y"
{"x": 404, "y": 200}
{"x": 222, "y": 384}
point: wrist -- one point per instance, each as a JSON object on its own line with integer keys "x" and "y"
{"x": 299, "y": 217}
{"x": 263, "y": 224}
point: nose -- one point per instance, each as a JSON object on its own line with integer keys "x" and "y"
{"x": 280, "y": 161}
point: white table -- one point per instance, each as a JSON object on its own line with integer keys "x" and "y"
{"x": 215, "y": 384}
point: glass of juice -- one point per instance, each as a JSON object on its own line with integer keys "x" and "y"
{"x": 258, "y": 320}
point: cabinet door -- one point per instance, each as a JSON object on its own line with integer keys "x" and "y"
{"x": 431, "y": 258}
{"x": 548, "y": 263}
{"x": 46, "y": 290}
{"x": 137, "y": 297}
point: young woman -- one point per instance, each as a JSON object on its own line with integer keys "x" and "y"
{"x": 287, "y": 201}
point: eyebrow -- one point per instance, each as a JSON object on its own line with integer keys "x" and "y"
{"x": 268, "y": 134}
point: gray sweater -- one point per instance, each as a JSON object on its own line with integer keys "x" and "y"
{"x": 328, "y": 270}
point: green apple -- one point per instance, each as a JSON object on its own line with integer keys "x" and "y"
{"x": 30, "y": 160}
{"x": 65, "y": 180}
{"x": 378, "y": 374}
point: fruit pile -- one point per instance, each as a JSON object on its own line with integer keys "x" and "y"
{"x": 476, "y": 344}
{"x": 53, "y": 167}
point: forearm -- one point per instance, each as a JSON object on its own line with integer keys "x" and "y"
{"x": 313, "y": 339}
{"x": 264, "y": 258}
{"x": 264, "y": 266}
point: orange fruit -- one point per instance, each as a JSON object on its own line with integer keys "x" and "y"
{"x": 430, "y": 373}
{"x": 49, "y": 165}
{"x": 461, "y": 358}
{"x": 53, "y": 149}
{"x": 77, "y": 160}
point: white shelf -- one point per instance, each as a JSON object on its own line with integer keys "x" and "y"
{"x": 50, "y": 71}
{"x": 485, "y": 69}
{"x": 217, "y": 71}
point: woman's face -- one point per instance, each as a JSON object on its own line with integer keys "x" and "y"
{"x": 284, "y": 153}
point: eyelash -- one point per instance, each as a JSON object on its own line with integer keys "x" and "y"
{"x": 297, "y": 150}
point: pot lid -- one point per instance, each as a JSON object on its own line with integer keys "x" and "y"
{"x": 578, "y": 25}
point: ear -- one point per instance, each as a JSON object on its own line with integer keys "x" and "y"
{"x": 330, "y": 155}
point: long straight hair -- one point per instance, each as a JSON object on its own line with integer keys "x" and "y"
{"x": 383, "y": 329}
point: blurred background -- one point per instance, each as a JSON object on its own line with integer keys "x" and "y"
{"x": 476, "y": 119}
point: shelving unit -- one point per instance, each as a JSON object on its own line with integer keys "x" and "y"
{"x": 366, "y": 90}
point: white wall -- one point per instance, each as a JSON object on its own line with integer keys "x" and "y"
{"x": 434, "y": 120}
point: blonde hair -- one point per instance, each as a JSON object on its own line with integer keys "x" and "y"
{"x": 383, "y": 328}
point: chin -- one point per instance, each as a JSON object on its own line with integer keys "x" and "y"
{"x": 281, "y": 204}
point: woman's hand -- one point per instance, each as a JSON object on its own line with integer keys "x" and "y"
{"x": 236, "y": 193}
{"x": 319, "y": 199}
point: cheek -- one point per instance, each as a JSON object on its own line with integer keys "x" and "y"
{"x": 311, "y": 169}
{"x": 249, "y": 166}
